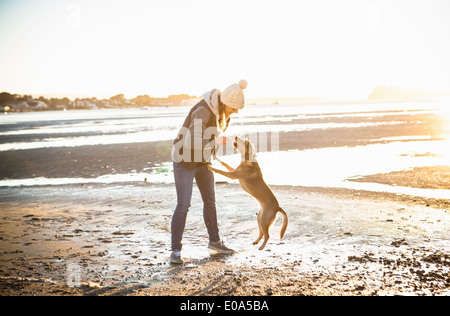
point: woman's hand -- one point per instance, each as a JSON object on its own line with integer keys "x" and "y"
{"x": 221, "y": 140}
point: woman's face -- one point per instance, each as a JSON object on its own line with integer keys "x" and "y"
{"x": 228, "y": 111}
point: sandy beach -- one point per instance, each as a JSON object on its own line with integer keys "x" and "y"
{"x": 94, "y": 238}
{"x": 114, "y": 240}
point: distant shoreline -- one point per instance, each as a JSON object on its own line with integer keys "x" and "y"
{"x": 11, "y": 102}
{"x": 33, "y": 105}
{"x": 27, "y": 103}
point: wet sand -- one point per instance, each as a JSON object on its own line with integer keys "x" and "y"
{"x": 115, "y": 240}
{"x": 433, "y": 177}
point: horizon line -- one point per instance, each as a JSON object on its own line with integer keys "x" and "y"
{"x": 73, "y": 96}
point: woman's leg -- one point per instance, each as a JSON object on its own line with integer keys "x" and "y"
{"x": 183, "y": 183}
{"x": 205, "y": 183}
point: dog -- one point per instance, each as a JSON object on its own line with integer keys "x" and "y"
{"x": 251, "y": 180}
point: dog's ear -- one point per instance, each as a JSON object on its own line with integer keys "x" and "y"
{"x": 247, "y": 150}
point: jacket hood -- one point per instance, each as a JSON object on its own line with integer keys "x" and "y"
{"x": 212, "y": 99}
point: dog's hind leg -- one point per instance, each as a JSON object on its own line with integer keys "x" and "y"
{"x": 266, "y": 239}
{"x": 266, "y": 222}
{"x": 261, "y": 233}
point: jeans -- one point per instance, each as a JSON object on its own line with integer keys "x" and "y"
{"x": 184, "y": 179}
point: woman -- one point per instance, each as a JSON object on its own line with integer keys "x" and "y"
{"x": 191, "y": 152}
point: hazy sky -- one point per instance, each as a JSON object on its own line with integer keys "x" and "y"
{"x": 283, "y": 48}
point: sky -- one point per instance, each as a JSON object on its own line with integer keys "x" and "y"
{"x": 283, "y": 48}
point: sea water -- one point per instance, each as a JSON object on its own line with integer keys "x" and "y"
{"x": 321, "y": 167}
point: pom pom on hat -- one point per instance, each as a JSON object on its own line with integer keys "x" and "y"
{"x": 233, "y": 96}
{"x": 243, "y": 84}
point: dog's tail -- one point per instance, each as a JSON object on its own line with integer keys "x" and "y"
{"x": 285, "y": 222}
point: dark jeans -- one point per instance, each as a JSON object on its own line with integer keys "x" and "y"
{"x": 184, "y": 179}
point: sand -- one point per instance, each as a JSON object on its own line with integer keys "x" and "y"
{"x": 114, "y": 240}
{"x": 432, "y": 177}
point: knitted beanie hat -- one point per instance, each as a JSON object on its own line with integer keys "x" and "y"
{"x": 233, "y": 96}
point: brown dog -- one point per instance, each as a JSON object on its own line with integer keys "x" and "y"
{"x": 250, "y": 178}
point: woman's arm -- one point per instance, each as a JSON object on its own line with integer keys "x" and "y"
{"x": 199, "y": 122}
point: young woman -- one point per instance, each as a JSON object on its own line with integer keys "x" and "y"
{"x": 191, "y": 152}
